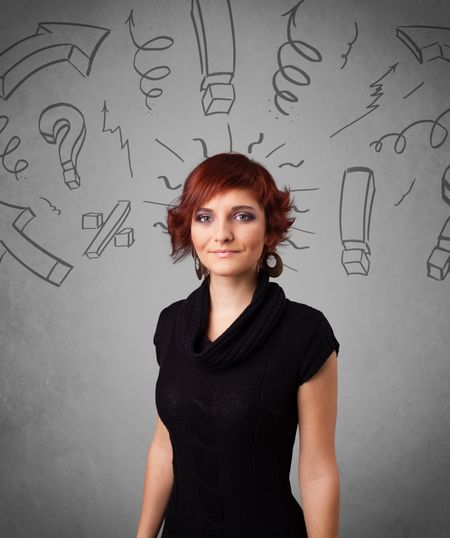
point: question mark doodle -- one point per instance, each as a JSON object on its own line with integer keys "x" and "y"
{"x": 63, "y": 124}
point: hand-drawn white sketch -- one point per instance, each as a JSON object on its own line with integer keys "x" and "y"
{"x": 217, "y": 54}
{"x": 14, "y": 239}
{"x": 109, "y": 229}
{"x": 299, "y": 76}
{"x": 158, "y": 72}
{"x": 119, "y": 130}
{"x": 355, "y": 210}
{"x": 63, "y": 124}
{"x": 427, "y": 43}
{"x": 53, "y": 42}
{"x": 10, "y": 147}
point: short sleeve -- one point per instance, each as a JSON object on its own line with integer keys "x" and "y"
{"x": 322, "y": 343}
{"x": 157, "y": 339}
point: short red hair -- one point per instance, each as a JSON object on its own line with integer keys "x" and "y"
{"x": 218, "y": 174}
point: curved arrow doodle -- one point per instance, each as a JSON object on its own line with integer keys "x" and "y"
{"x": 53, "y": 42}
{"x": 13, "y": 239}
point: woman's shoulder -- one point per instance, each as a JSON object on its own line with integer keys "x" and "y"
{"x": 170, "y": 310}
{"x": 303, "y": 311}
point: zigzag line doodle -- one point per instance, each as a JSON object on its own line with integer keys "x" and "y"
{"x": 63, "y": 124}
{"x": 112, "y": 131}
{"x": 436, "y": 139}
{"x": 301, "y": 78}
{"x": 53, "y": 42}
{"x": 10, "y": 147}
{"x": 13, "y": 239}
{"x": 165, "y": 42}
{"x": 377, "y": 94}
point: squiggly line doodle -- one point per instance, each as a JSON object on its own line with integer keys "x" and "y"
{"x": 54, "y": 208}
{"x": 63, "y": 124}
{"x": 10, "y": 147}
{"x": 438, "y": 135}
{"x": 292, "y": 73}
{"x": 217, "y": 53}
{"x": 377, "y": 94}
{"x": 158, "y": 72}
{"x": 53, "y": 42}
{"x": 168, "y": 185}
{"x": 405, "y": 194}
{"x": 427, "y": 43}
{"x": 350, "y": 45}
{"x": 13, "y": 239}
{"x": 119, "y": 130}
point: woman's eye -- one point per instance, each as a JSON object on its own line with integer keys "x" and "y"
{"x": 247, "y": 215}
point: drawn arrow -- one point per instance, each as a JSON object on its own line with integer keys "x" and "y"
{"x": 53, "y": 42}
{"x": 13, "y": 219}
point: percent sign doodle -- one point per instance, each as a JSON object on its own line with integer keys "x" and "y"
{"x": 109, "y": 229}
{"x": 13, "y": 239}
{"x": 217, "y": 53}
{"x": 357, "y": 195}
{"x": 63, "y": 124}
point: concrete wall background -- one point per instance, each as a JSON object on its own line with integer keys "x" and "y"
{"x": 370, "y": 247}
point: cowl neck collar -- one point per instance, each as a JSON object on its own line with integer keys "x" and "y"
{"x": 247, "y": 332}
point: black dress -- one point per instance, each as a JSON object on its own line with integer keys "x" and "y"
{"x": 230, "y": 407}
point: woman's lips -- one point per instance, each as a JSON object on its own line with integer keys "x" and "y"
{"x": 225, "y": 254}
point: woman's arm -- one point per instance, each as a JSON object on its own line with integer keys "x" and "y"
{"x": 158, "y": 483}
{"x": 317, "y": 470}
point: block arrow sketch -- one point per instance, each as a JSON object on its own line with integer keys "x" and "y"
{"x": 217, "y": 53}
{"x": 53, "y": 42}
{"x": 427, "y": 43}
{"x": 13, "y": 239}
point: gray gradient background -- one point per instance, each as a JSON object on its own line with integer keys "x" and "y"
{"x": 78, "y": 367}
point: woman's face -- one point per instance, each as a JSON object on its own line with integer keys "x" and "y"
{"x": 221, "y": 224}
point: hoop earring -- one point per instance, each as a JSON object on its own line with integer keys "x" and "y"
{"x": 199, "y": 268}
{"x": 277, "y": 269}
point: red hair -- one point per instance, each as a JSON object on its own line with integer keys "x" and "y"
{"x": 218, "y": 174}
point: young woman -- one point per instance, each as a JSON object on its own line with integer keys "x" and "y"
{"x": 241, "y": 366}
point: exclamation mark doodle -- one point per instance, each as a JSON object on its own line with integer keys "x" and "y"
{"x": 214, "y": 30}
{"x": 357, "y": 195}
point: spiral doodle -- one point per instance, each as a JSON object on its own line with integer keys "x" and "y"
{"x": 293, "y": 73}
{"x": 436, "y": 138}
{"x": 10, "y": 147}
{"x": 158, "y": 72}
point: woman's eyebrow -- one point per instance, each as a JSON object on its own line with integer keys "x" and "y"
{"x": 234, "y": 208}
